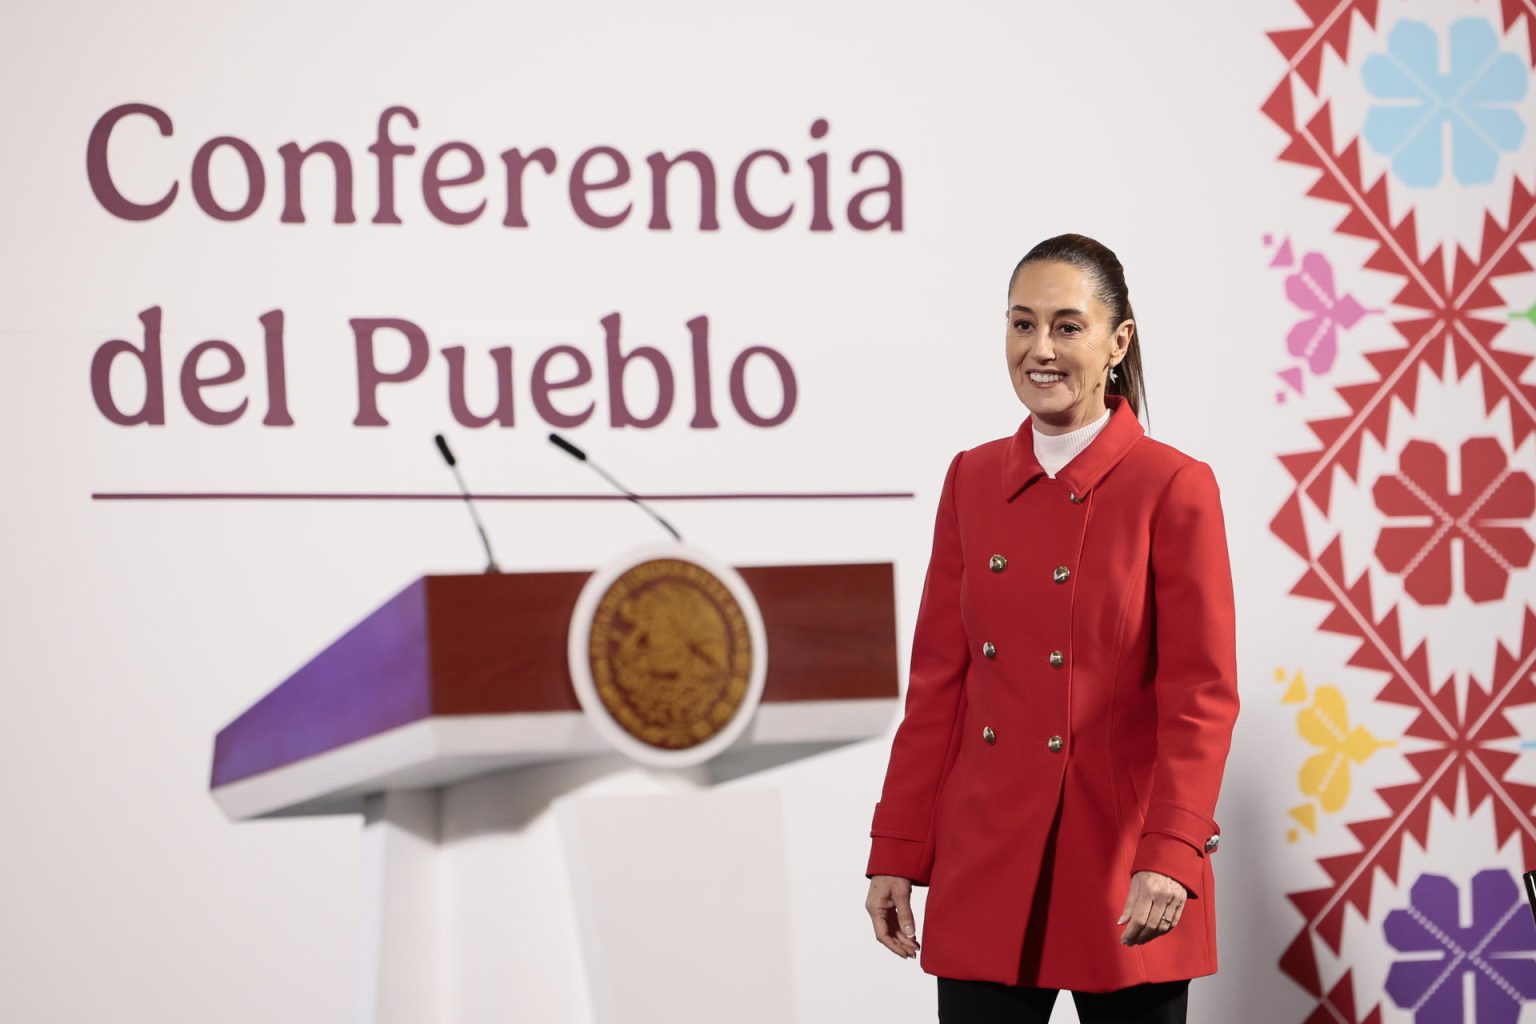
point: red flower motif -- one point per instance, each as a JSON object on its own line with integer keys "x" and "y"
{"x": 1488, "y": 516}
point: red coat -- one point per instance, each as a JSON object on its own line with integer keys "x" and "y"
{"x": 1073, "y": 669}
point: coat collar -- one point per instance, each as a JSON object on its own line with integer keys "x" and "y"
{"x": 1088, "y": 467}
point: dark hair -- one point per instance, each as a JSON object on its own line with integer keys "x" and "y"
{"x": 1108, "y": 276}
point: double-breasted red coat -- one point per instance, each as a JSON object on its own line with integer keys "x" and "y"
{"x": 1069, "y": 711}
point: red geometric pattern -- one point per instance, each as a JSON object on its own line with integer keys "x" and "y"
{"x": 1492, "y": 490}
{"x": 1445, "y": 316}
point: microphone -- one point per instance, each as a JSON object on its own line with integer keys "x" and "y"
{"x": 581, "y": 456}
{"x": 453, "y": 464}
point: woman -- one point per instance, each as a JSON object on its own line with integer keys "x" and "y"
{"x": 1072, "y": 692}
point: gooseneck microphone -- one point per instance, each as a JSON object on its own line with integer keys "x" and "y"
{"x": 453, "y": 464}
{"x": 581, "y": 456}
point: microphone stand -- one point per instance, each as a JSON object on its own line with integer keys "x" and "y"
{"x": 581, "y": 456}
{"x": 453, "y": 464}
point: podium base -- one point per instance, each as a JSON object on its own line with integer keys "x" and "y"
{"x": 583, "y": 892}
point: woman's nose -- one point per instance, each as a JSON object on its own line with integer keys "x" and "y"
{"x": 1041, "y": 347}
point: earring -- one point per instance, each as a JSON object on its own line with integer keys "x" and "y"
{"x": 1112, "y": 377}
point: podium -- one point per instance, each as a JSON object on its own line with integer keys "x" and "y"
{"x": 510, "y": 850}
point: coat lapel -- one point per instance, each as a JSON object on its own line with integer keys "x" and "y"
{"x": 1088, "y": 467}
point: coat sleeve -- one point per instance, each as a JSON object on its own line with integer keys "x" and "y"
{"x": 927, "y": 739}
{"x": 1196, "y": 676}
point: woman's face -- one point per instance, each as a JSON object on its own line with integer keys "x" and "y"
{"x": 1061, "y": 345}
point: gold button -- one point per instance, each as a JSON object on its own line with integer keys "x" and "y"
{"x": 997, "y": 563}
{"x": 1075, "y": 498}
{"x": 1061, "y": 573}
{"x": 1054, "y": 743}
{"x": 989, "y": 649}
{"x": 1056, "y": 659}
{"x": 988, "y": 735}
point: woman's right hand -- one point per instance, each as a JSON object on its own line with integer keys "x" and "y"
{"x": 890, "y": 908}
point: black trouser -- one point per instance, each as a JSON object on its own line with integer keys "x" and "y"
{"x": 988, "y": 1002}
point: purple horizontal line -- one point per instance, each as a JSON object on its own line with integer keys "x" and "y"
{"x": 385, "y": 496}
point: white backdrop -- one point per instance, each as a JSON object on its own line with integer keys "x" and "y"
{"x": 131, "y": 631}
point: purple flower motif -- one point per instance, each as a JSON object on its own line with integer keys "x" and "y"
{"x": 1497, "y": 950}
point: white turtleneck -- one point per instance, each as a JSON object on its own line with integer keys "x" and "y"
{"x": 1054, "y": 451}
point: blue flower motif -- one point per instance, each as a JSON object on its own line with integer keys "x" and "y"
{"x": 1496, "y": 950}
{"x": 1475, "y": 99}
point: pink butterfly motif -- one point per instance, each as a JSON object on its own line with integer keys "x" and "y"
{"x": 1311, "y": 289}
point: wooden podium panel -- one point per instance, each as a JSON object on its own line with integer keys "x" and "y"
{"x": 460, "y": 675}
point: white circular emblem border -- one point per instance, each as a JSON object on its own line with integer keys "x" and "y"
{"x": 580, "y": 635}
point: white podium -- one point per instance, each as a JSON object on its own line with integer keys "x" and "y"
{"x": 517, "y": 866}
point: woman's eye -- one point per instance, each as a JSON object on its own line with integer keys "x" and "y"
{"x": 1022, "y": 325}
{"x": 1070, "y": 329}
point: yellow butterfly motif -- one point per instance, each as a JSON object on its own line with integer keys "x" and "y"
{"x": 1325, "y": 724}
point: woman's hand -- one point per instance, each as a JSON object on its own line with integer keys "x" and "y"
{"x": 1152, "y": 907}
{"x": 890, "y": 908}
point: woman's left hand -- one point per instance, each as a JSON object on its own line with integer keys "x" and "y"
{"x": 1152, "y": 907}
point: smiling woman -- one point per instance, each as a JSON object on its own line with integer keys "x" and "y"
{"x": 1072, "y": 693}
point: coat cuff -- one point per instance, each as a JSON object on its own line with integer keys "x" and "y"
{"x": 1174, "y": 841}
{"x": 903, "y": 858}
{"x": 899, "y": 843}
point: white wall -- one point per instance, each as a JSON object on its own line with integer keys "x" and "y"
{"x": 131, "y": 631}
